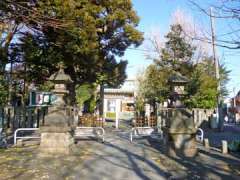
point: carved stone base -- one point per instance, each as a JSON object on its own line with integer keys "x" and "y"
{"x": 180, "y": 133}
{"x": 56, "y": 143}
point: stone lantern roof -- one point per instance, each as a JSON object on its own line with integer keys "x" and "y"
{"x": 178, "y": 78}
{"x": 60, "y": 76}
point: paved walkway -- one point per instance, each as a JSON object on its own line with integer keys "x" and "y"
{"x": 116, "y": 159}
{"x": 119, "y": 159}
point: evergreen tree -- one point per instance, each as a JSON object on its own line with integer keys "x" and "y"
{"x": 86, "y": 35}
{"x": 177, "y": 53}
{"x": 153, "y": 85}
{"x": 177, "y": 57}
{"x": 95, "y": 33}
{"x": 202, "y": 88}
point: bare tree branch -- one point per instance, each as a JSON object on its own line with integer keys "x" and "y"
{"x": 228, "y": 10}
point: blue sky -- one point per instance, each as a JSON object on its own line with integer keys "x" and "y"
{"x": 156, "y": 14}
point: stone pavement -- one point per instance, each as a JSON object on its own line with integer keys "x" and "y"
{"x": 117, "y": 159}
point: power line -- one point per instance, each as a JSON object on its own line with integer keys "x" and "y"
{"x": 143, "y": 50}
{"x": 232, "y": 32}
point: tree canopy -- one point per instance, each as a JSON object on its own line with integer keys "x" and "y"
{"x": 87, "y": 36}
{"x": 177, "y": 56}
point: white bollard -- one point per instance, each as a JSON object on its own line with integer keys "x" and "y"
{"x": 117, "y": 121}
{"x": 19, "y": 143}
{"x": 206, "y": 143}
{"x": 224, "y": 147}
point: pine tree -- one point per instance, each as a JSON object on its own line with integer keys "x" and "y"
{"x": 177, "y": 53}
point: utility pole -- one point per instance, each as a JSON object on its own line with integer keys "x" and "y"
{"x": 216, "y": 64}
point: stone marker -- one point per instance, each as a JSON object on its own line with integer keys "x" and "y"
{"x": 224, "y": 147}
{"x": 206, "y": 143}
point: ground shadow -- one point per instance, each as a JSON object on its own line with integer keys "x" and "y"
{"x": 204, "y": 164}
{"x": 134, "y": 158}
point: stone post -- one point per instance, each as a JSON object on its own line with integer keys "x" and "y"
{"x": 118, "y": 110}
{"x": 224, "y": 147}
{"x": 117, "y": 120}
{"x": 206, "y": 143}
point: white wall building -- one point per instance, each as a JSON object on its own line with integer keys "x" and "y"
{"x": 120, "y": 101}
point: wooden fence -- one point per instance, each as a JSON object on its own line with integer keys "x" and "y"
{"x": 89, "y": 120}
{"x": 145, "y": 121}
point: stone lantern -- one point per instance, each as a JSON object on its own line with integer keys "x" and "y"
{"x": 56, "y": 135}
{"x": 180, "y": 130}
{"x": 60, "y": 80}
{"x": 177, "y": 84}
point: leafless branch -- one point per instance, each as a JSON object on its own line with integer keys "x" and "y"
{"x": 227, "y": 10}
{"x": 30, "y": 16}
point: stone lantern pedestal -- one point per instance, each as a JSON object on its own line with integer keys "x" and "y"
{"x": 56, "y": 133}
{"x": 56, "y": 136}
{"x": 180, "y": 133}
